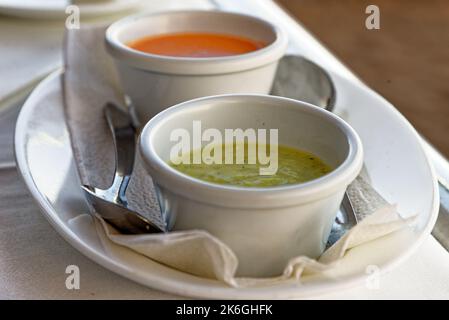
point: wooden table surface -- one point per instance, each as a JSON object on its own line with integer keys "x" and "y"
{"x": 406, "y": 60}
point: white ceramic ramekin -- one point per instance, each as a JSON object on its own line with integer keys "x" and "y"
{"x": 155, "y": 82}
{"x": 265, "y": 227}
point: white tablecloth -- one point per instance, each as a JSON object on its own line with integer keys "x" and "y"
{"x": 33, "y": 257}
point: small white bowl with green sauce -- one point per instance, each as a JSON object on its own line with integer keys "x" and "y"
{"x": 265, "y": 223}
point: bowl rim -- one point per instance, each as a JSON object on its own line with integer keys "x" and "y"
{"x": 193, "y": 65}
{"x": 244, "y": 197}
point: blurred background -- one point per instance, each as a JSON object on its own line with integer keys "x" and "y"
{"x": 406, "y": 60}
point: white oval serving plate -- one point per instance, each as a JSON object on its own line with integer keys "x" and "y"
{"x": 55, "y": 9}
{"x": 394, "y": 157}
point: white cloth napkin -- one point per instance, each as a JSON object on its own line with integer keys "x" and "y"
{"x": 90, "y": 80}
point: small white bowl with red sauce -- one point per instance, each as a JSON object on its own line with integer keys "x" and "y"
{"x": 170, "y": 57}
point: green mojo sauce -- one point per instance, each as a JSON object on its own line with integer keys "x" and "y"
{"x": 294, "y": 166}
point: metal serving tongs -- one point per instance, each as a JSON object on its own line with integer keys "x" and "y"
{"x": 111, "y": 203}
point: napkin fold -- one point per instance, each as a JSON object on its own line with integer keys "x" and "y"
{"x": 89, "y": 81}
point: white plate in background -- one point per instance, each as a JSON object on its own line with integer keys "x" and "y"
{"x": 54, "y": 9}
